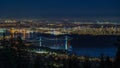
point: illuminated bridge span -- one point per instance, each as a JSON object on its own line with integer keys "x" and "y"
{"x": 61, "y": 43}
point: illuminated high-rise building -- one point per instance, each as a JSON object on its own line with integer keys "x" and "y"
{"x": 12, "y": 31}
{"x": 24, "y": 34}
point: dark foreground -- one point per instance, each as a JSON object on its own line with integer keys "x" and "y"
{"x": 13, "y": 57}
{"x": 15, "y": 54}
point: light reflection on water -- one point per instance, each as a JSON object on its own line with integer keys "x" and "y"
{"x": 96, "y": 52}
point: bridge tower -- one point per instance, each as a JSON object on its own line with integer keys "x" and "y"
{"x": 66, "y": 42}
{"x": 40, "y": 40}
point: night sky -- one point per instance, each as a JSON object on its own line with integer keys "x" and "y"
{"x": 59, "y": 8}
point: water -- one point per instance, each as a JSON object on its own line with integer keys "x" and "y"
{"x": 96, "y": 52}
{"x": 94, "y": 46}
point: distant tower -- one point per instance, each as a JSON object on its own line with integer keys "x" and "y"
{"x": 28, "y": 34}
{"x": 24, "y": 34}
{"x": 12, "y": 32}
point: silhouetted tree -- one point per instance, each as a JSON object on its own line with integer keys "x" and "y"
{"x": 87, "y": 64}
{"x": 102, "y": 61}
{"x": 37, "y": 62}
{"x": 108, "y": 62}
{"x": 117, "y": 58}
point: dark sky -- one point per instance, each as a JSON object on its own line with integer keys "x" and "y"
{"x": 59, "y": 8}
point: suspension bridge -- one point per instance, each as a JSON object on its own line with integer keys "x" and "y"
{"x": 60, "y": 43}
